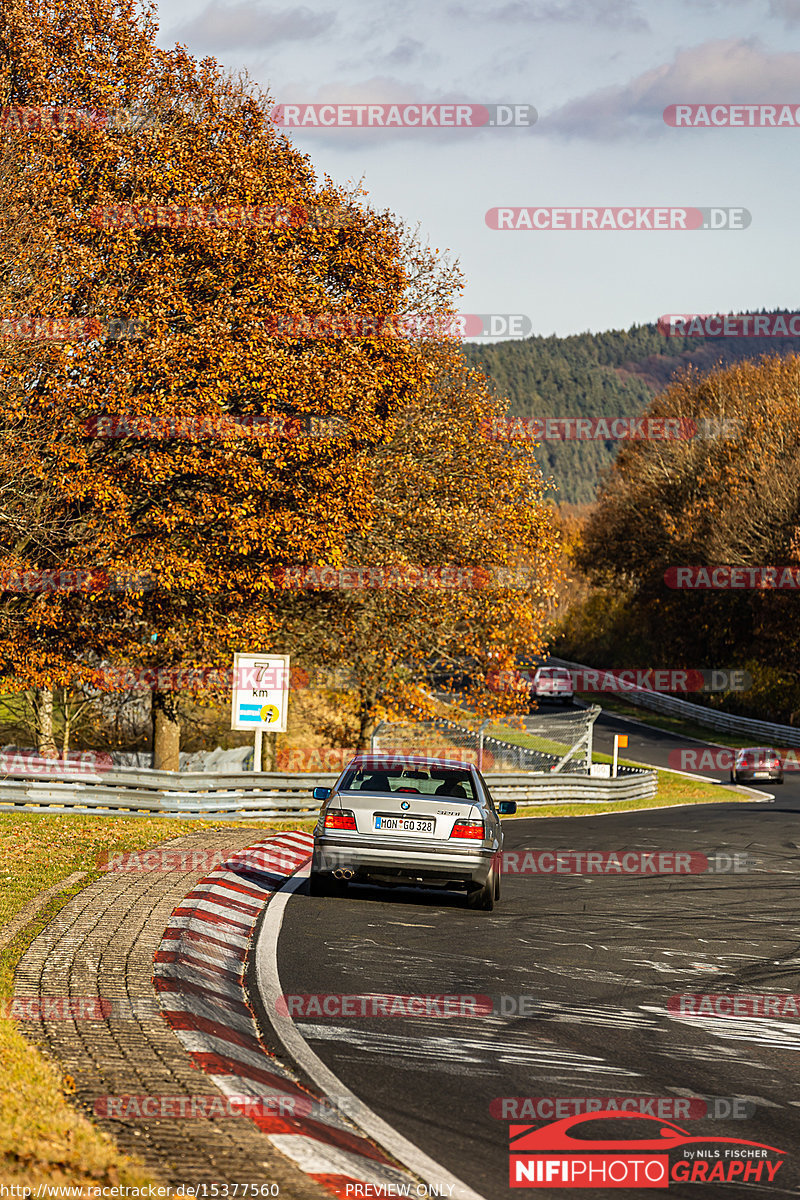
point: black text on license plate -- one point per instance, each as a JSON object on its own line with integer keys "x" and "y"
{"x": 405, "y": 824}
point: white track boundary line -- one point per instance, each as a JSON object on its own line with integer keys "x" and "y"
{"x": 269, "y": 986}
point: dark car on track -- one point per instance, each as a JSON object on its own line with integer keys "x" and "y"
{"x": 392, "y": 820}
{"x": 757, "y": 764}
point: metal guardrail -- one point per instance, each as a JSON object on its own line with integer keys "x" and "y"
{"x": 764, "y": 731}
{"x": 248, "y": 795}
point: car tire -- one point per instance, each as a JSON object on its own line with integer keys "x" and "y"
{"x": 482, "y": 898}
{"x": 496, "y": 886}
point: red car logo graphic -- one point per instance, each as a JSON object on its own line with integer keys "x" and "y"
{"x": 552, "y": 1156}
{"x": 558, "y": 1137}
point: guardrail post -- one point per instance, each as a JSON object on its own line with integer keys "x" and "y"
{"x": 484, "y": 726}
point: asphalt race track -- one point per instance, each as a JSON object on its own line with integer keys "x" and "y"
{"x": 596, "y": 958}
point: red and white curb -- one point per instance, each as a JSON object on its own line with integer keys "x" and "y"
{"x": 199, "y": 977}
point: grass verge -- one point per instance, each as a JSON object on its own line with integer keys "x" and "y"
{"x": 670, "y": 724}
{"x": 672, "y": 790}
{"x": 43, "y": 1139}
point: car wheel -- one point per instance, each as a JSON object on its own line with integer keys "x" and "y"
{"x": 482, "y": 898}
{"x": 496, "y": 886}
{"x": 778, "y": 780}
{"x": 566, "y": 701}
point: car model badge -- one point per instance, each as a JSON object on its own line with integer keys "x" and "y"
{"x": 405, "y": 804}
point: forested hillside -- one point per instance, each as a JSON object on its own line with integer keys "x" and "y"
{"x": 609, "y": 374}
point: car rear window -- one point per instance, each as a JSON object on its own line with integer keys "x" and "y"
{"x": 433, "y": 781}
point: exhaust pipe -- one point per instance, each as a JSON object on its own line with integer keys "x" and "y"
{"x": 343, "y": 873}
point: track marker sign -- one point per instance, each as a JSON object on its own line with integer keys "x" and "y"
{"x": 260, "y": 692}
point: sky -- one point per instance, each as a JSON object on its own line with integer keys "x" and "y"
{"x": 599, "y": 74}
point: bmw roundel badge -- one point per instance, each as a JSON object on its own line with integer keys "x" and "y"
{"x": 405, "y": 804}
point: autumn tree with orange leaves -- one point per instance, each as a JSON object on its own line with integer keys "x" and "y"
{"x": 210, "y": 519}
{"x": 728, "y": 493}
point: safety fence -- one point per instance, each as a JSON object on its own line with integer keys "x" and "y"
{"x": 256, "y": 795}
{"x": 553, "y": 742}
{"x": 764, "y": 732}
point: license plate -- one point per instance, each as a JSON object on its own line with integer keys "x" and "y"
{"x": 761, "y": 775}
{"x": 405, "y": 824}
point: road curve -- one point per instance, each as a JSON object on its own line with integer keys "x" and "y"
{"x": 597, "y": 958}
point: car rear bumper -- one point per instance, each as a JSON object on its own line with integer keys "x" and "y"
{"x": 758, "y": 776}
{"x": 370, "y": 859}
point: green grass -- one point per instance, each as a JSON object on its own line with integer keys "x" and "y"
{"x": 672, "y": 790}
{"x": 42, "y": 1138}
{"x": 670, "y": 724}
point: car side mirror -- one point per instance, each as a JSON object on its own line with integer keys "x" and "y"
{"x": 321, "y": 793}
{"x": 507, "y": 808}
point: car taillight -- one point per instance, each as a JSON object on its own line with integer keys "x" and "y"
{"x": 340, "y": 818}
{"x": 467, "y": 829}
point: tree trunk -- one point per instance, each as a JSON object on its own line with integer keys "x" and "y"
{"x": 47, "y": 742}
{"x": 166, "y": 735}
{"x": 366, "y": 720}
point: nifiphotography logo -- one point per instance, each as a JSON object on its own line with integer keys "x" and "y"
{"x": 579, "y": 1152}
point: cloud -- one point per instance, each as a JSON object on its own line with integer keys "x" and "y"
{"x": 405, "y": 52}
{"x": 736, "y": 70}
{"x": 248, "y": 25}
{"x": 614, "y": 14}
{"x": 786, "y": 10}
